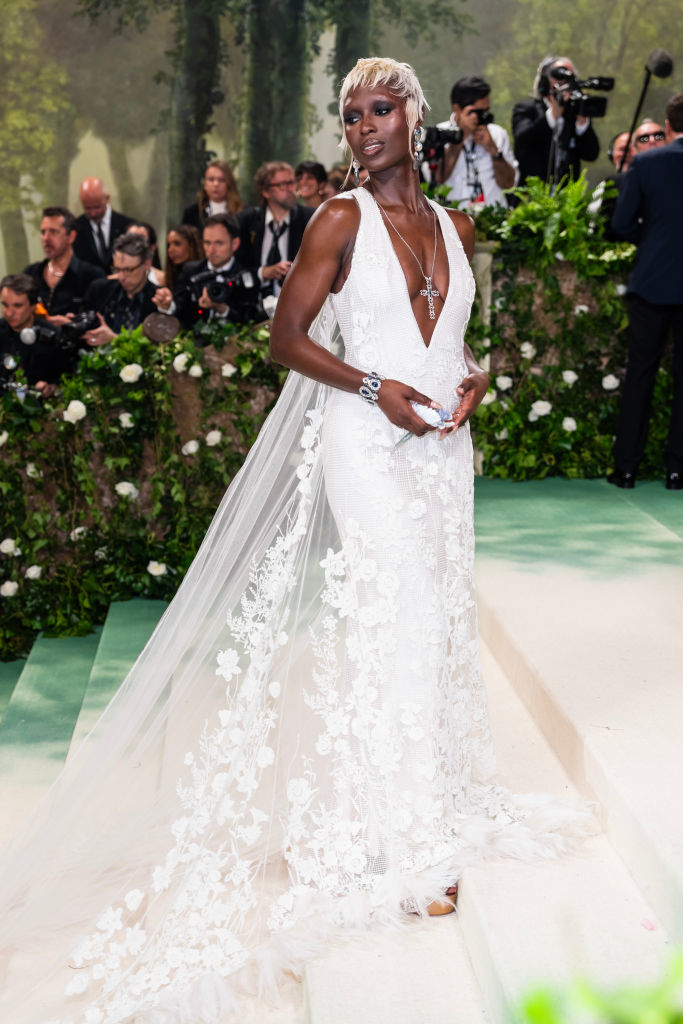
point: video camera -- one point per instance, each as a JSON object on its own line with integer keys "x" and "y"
{"x": 235, "y": 290}
{"x": 573, "y": 98}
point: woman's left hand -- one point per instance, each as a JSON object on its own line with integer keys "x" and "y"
{"x": 471, "y": 390}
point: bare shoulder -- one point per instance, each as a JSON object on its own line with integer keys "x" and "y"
{"x": 464, "y": 225}
{"x": 336, "y": 215}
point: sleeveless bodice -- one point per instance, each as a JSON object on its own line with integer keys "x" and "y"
{"x": 376, "y": 318}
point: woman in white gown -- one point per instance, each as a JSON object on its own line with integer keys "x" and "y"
{"x": 304, "y": 743}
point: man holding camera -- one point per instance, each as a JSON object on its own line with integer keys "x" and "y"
{"x": 551, "y": 136}
{"x": 216, "y": 287}
{"x": 61, "y": 279}
{"x": 482, "y": 165}
{"x": 40, "y": 358}
{"x": 125, "y": 300}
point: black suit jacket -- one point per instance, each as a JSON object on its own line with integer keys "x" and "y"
{"x": 246, "y": 306}
{"x": 85, "y": 247}
{"x": 253, "y": 227}
{"x": 108, "y": 298}
{"x": 43, "y": 360}
{"x": 533, "y": 139}
{"x": 650, "y": 205}
{"x": 67, "y": 294}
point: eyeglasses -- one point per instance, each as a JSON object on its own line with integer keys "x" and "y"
{"x": 651, "y": 136}
{"x": 127, "y": 270}
{"x": 290, "y": 183}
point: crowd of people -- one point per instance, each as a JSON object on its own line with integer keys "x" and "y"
{"x": 102, "y": 271}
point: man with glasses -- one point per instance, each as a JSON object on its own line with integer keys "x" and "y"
{"x": 271, "y": 233}
{"x": 648, "y": 135}
{"x": 551, "y": 140}
{"x": 125, "y": 300}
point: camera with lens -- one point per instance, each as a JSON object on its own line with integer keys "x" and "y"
{"x": 67, "y": 337}
{"x": 231, "y": 289}
{"x": 484, "y": 117}
{"x": 574, "y": 99}
{"x": 435, "y": 140}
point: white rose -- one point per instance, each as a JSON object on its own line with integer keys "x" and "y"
{"x": 527, "y": 350}
{"x": 214, "y": 437}
{"x": 156, "y": 568}
{"x": 180, "y": 362}
{"x": 489, "y": 397}
{"x": 569, "y": 377}
{"x": 559, "y": 255}
{"x": 580, "y": 310}
{"x": 541, "y": 407}
{"x": 532, "y": 417}
{"x": 32, "y": 471}
{"x": 130, "y": 373}
{"x": 190, "y": 448}
{"x": 8, "y": 546}
{"x": 126, "y": 420}
{"x": 126, "y": 489}
{"x": 503, "y": 382}
{"x": 621, "y": 289}
{"x": 227, "y": 369}
{"x": 195, "y": 370}
{"x": 610, "y": 382}
{"x": 487, "y": 343}
{"x": 569, "y": 423}
{"x": 78, "y": 532}
{"x": 3, "y": 438}
{"x": 502, "y": 435}
{"x": 74, "y": 411}
{"x": 9, "y": 588}
{"x": 34, "y": 572}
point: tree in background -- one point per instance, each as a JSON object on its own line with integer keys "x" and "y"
{"x": 34, "y": 113}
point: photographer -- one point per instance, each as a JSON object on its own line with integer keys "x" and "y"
{"x": 234, "y": 290}
{"x": 126, "y": 300}
{"x": 480, "y": 167}
{"x": 551, "y": 136}
{"x": 41, "y": 359}
{"x": 61, "y": 279}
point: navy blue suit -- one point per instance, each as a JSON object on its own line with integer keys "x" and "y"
{"x": 649, "y": 211}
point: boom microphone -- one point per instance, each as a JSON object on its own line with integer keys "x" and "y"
{"x": 659, "y": 63}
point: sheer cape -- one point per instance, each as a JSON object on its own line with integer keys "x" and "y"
{"x": 247, "y": 793}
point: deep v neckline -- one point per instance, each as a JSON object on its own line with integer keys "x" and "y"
{"x": 378, "y": 210}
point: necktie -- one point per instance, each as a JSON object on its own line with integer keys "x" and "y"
{"x": 274, "y": 254}
{"x": 101, "y": 245}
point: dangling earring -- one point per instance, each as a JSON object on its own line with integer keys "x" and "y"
{"x": 417, "y": 148}
{"x": 356, "y": 171}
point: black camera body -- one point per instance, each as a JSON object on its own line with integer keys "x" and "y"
{"x": 435, "y": 140}
{"x": 484, "y": 117}
{"x": 67, "y": 337}
{"x": 575, "y": 100}
{"x": 230, "y": 289}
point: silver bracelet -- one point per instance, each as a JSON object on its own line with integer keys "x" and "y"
{"x": 369, "y": 389}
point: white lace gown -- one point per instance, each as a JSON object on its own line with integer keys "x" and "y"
{"x": 345, "y": 775}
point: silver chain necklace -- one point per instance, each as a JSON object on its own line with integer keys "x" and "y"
{"x": 429, "y": 292}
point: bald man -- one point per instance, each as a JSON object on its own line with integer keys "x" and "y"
{"x": 99, "y": 226}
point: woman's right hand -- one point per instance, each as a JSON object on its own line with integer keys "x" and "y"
{"x": 394, "y": 400}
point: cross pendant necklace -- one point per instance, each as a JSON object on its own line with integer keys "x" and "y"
{"x": 429, "y": 292}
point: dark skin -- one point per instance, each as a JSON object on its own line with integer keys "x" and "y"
{"x": 377, "y": 133}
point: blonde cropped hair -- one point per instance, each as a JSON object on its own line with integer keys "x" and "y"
{"x": 370, "y": 72}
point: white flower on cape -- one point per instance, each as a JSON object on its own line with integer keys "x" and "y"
{"x": 126, "y": 489}
{"x": 527, "y": 350}
{"x": 214, "y": 437}
{"x": 195, "y": 370}
{"x": 156, "y": 568}
{"x": 227, "y": 370}
{"x": 190, "y": 448}
{"x": 503, "y": 382}
{"x": 610, "y": 382}
{"x": 228, "y": 664}
{"x": 130, "y": 373}
{"x": 180, "y": 362}
{"x": 569, "y": 377}
{"x": 541, "y": 407}
{"x": 4, "y": 437}
{"x": 569, "y": 423}
{"x": 34, "y": 572}
{"x": 74, "y": 411}
{"x": 9, "y": 588}
{"x": 78, "y": 532}
{"x": 126, "y": 420}
{"x": 489, "y": 397}
{"x": 9, "y": 546}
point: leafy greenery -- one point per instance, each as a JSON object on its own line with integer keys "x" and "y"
{"x": 556, "y": 340}
{"x": 91, "y": 505}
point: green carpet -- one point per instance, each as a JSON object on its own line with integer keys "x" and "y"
{"x": 587, "y": 524}
{"x": 9, "y": 674}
